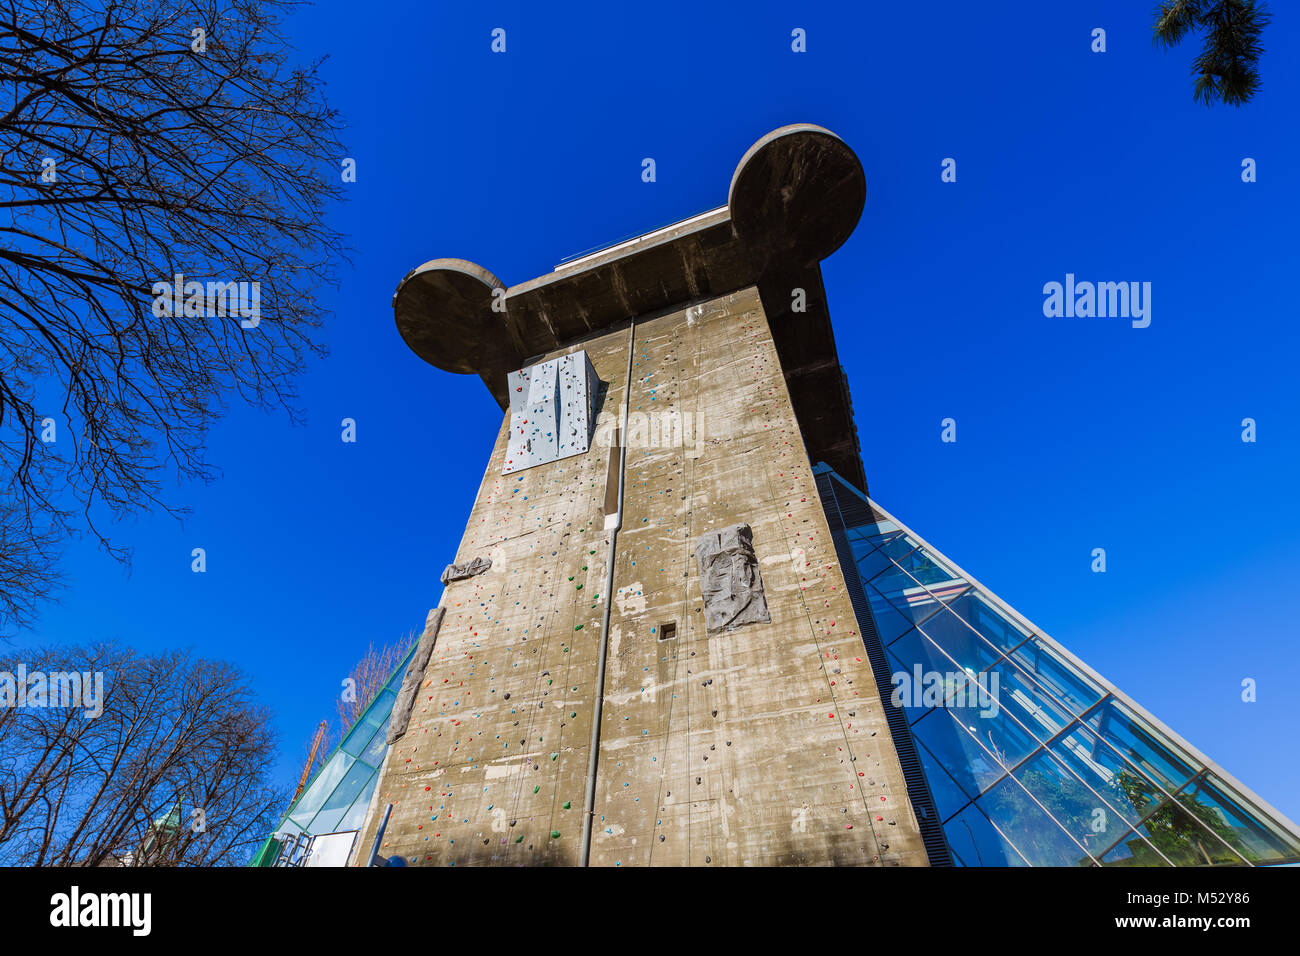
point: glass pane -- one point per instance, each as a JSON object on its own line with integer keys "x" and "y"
{"x": 1251, "y": 835}
{"x": 1126, "y": 790}
{"x": 1042, "y": 842}
{"x": 356, "y": 814}
{"x": 930, "y": 570}
{"x": 961, "y": 643}
{"x": 1079, "y": 811}
{"x": 1140, "y": 743}
{"x": 923, "y": 676}
{"x": 903, "y": 679}
{"x": 341, "y": 799}
{"x": 321, "y": 787}
{"x": 972, "y": 608}
{"x": 971, "y": 766}
{"x": 880, "y": 529}
{"x": 1003, "y": 687}
{"x": 378, "y": 746}
{"x": 889, "y": 623}
{"x": 948, "y": 797}
{"x": 1132, "y": 850}
{"x": 1181, "y": 837}
{"x": 1057, "y": 675}
{"x": 977, "y": 843}
{"x": 870, "y": 562}
{"x": 896, "y": 546}
{"x": 989, "y": 722}
{"x": 902, "y": 591}
{"x": 363, "y": 730}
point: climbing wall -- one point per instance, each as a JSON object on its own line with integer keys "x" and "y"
{"x": 493, "y": 767}
{"x": 763, "y": 745}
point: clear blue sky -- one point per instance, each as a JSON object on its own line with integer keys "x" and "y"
{"x": 1073, "y": 434}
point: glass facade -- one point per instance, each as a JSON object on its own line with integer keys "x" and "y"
{"x": 338, "y": 796}
{"x": 1029, "y": 757}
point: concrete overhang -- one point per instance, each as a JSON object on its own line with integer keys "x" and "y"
{"x": 795, "y": 197}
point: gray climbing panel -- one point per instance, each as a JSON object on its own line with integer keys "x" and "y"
{"x": 552, "y": 411}
{"x": 730, "y": 581}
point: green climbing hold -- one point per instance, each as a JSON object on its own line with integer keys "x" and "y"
{"x": 520, "y": 838}
{"x": 568, "y": 805}
{"x": 572, "y": 713}
{"x": 553, "y": 756}
{"x": 535, "y": 789}
{"x": 555, "y": 834}
{"x": 578, "y": 587}
{"x": 578, "y": 628}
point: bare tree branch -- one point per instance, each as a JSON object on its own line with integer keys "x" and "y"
{"x": 132, "y": 151}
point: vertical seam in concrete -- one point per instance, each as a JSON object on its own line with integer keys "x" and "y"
{"x": 593, "y": 757}
{"x": 779, "y": 377}
{"x": 683, "y": 633}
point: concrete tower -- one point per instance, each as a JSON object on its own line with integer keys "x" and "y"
{"x": 645, "y": 652}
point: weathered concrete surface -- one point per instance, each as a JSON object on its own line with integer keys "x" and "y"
{"x": 498, "y": 740}
{"x": 763, "y": 745}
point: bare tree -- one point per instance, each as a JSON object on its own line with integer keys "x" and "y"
{"x": 368, "y": 679}
{"x": 164, "y": 172}
{"x": 173, "y": 769}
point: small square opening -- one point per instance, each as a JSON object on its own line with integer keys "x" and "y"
{"x": 668, "y": 631}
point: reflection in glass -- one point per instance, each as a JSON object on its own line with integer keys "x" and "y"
{"x": 982, "y": 617}
{"x": 977, "y": 843}
{"x": 889, "y": 622}
{"x": 1005, "y": 690}
{"x": 1124, "y": 788}
{"x": 1182, "y": 839}
{"x": 1258, "y": 839}
{"x": 1032, "y": 831}
{"x": 1058, "y": 676}
{"x": 905, "y": 594}
{"x": 1102, "y": 768}
{"x": 972, "y": 766}
{"x": 1132, "y": 850}
{"x": 1079, "y": 811}
{"x": 948, "y": 797}
{"x": 322, "y": 787}
{"x": 1139, "y": 743}
{"x": 962, "y": 644}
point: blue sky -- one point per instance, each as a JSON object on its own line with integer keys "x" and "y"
{"x": 1073, "y": 433}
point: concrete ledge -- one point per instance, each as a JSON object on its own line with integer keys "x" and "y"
{"x": 795, "y": 197}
